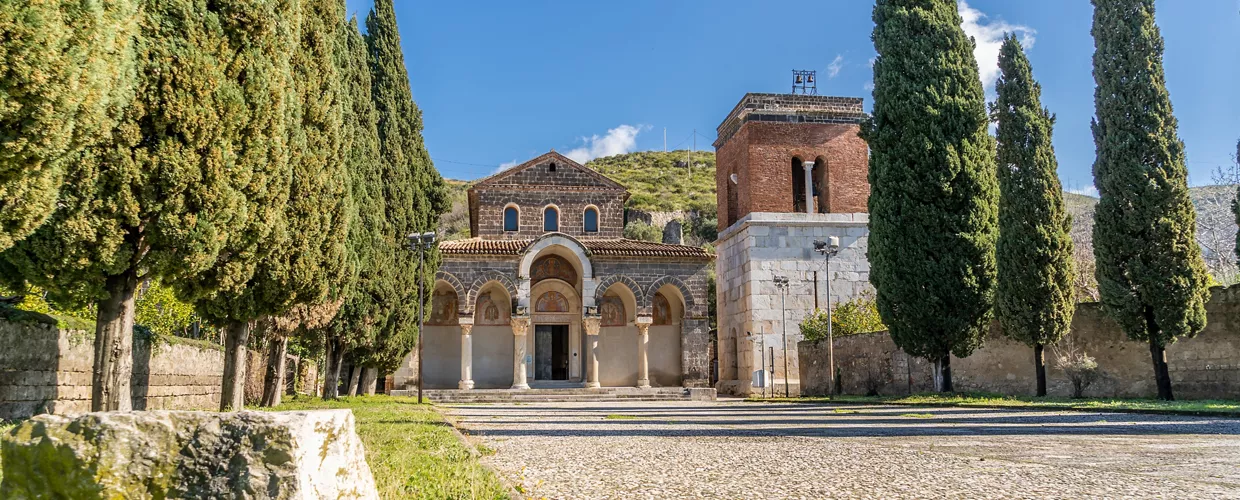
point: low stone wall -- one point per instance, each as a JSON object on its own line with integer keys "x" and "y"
{"x": 1204, "y": 367}
{"x": 46, "y": 370}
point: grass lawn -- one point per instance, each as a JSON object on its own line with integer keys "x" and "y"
{"x": 5, "y": 427}
{"x": 1201, "y": 407}
{"x": 412, "y": 451}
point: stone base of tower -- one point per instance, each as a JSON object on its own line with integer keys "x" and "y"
{"x": 758, "y": 324}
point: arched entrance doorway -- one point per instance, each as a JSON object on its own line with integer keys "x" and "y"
{"x": 556, "y": 336}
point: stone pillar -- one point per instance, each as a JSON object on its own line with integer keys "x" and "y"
{"x": 592, "y": 324}
{"x": 520, "y": 326}
{"x": 467, "y": 356}
{"x": 643, "y": 341}
{"x": 809, "y": 186}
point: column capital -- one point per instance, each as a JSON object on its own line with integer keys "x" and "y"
{"x": 592, "y": 324}
{"x": 643, "y": 324}
{"x": 467, "y": 328}
{"x": 520, "y": 325}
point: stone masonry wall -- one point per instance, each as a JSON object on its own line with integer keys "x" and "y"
{"x": 752, "y": 320}
{"x": 46, "y": 370}
{"x": 1204, "y": 367}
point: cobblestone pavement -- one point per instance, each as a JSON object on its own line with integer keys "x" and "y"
{"x": 752, "y": 450}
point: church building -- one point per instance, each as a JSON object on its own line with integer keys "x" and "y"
{"x": 547, "y": 292}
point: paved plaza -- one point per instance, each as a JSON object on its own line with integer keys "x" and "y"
{"x": 753, "y": 450}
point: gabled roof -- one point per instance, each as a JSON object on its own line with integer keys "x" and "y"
{"x": 514, "y": 177}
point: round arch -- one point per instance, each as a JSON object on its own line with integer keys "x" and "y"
{"x": 571, "y": 247}
{"x": 685, "y": 296}
{"x": 486, "y": 277}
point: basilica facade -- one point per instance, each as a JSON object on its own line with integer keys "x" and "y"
{"x": 548, "y": 293}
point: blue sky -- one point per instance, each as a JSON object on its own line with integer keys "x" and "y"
{"x": 503, "y": 82}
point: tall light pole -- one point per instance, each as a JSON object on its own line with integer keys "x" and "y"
{"x": 421, "y": 243}
{"x": 829, "y": 248}
{"x": 781, "y": 282}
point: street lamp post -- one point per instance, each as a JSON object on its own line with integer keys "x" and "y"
{"x": 829, "y": 248}
{"x": 781, "y": 282}
{"x": 421, "y": 243}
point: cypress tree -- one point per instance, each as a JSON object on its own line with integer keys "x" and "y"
{"x": 66, "y": 68}
{"x": 228, "y": 293}
{"x": 413, "y": 190}
{"x": 369, "y": 240}
{"x": 1151, "y": 276}
{"x": 157, "y": 200}
{"x": 1034, "y": 298}
{"x": 933, "y": 192}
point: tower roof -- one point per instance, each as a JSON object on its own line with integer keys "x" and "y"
{"x": 790, "y": 108}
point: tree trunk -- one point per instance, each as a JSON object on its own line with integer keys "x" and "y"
{"x": 331, "y": 372}
{"x": 943, "y": 374}
{"x": 1039, "y": 364}
{"x": 273, "y": 383}
{"x": 113, "y": 365}
{"x": 355, "y": 376}
{"x": 369, "y": 378}
{"x": 236, "y": 336}
{"x": 1161, "y": 375}
{"x": 1158, "y": 353}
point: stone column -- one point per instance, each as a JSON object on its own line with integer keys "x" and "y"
{"x": 643, "y": 341}
{"x": 520, "y": 326}
{"x": 809, "y": 186}
{"x": 467, "y": 356}
{"x": 592, "y": 324}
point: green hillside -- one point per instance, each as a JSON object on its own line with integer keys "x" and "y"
{"x": 662, "y": 182}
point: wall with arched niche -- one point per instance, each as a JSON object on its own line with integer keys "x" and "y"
{"x": 493, "y": 339}
{"x": 441, "y": 350}
{"x": 664, "y": 350}
{"x": 617, "y": 349}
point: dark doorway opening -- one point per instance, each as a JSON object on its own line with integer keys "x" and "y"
{"x": 551, "y": 352}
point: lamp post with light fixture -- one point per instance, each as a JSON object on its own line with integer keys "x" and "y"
{"x": 781, "y": 282}
{"x": 829, "y": 248}
{"x": 421, "y": 243}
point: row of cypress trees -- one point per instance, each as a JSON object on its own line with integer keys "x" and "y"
{"x": 965, "y": 228}
{"x": 262, "y": 158}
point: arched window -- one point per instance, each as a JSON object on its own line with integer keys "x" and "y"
{"x": 511, "y": 219}
{"x": 551, "y": 219}
{"x": 591, "y": 220}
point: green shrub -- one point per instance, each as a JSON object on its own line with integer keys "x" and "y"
{"x": 859, "y": 315}
{"x": 639, "y": 230}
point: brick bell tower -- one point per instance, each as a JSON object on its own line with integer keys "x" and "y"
{"x": 790, "y": 170}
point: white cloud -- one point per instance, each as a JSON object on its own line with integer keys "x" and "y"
{"x": 1087, "y": 191}
{"x": 871, "y": 61}
{"x": 988, "y": 34}
{"x": 869, "y": 87}
{"x": 836, "y": 65}
{"x": 619, "y": 140}
{"x": 505, "y": 166}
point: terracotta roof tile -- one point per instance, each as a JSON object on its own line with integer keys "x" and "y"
{"x": 478, "y": 246}
{"x": 622, "y": 247}
{"x": 609, "y": 247}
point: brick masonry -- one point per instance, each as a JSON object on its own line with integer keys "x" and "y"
{"x": 533, "y": 187}
{"x": 765, "y": 132}
{"x": 1204, "y": 367}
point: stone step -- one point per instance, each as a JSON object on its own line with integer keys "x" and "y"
{"x": 563, "y": 395}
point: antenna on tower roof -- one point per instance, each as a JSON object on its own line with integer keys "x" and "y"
{"x": 805, "y": 82}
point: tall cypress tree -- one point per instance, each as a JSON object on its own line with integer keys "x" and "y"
{"x": 1151, "y": 276}
{"x": 414, "y": 192}
{"x": 157, "y": 200}
{"x": 370, "y": 236}
{"x": 227, "y": 294}
{"x": 1034, "y": 300}
{"x": 933, "y": 192}
{"x": 66, "y": 68}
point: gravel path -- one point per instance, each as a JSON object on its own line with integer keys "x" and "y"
{"x": 749, "y": 450}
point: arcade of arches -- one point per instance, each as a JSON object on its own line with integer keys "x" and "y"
{"x": 543, "y": 317}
